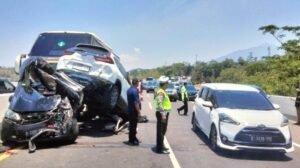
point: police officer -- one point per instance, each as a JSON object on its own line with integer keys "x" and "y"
{"x": 184, "y": 98}
{"x": 163, "y": 108}
{"x": 134, "y": 111}
{"x": 297, "y": 104}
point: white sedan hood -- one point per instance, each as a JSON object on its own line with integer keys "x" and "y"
{"x": 254, "y": 117}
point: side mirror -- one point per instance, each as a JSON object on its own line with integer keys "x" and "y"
{"x": 276, "y": 106}
{"x": 207, "y": 104}
{"x": 12, "y": 90}
{"x": 18, "y": 62}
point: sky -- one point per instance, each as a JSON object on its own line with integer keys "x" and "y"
{"x": 147, "y": 33}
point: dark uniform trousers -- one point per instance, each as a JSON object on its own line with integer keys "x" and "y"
{"x": 184, "y": 107}
{"x": 161, "y": 131}
{"x": 133, "y": 120}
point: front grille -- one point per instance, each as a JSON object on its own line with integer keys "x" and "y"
{"x": 260, "y": 136}
{"x": 32, "y": 118}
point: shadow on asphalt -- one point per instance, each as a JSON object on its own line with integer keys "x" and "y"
{"x": 92, "y": 128}
{"x": 245, "y": 155}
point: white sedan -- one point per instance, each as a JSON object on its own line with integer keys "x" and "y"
{"x": 240, "y": 117}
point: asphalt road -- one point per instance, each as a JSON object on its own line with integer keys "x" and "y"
{"x": 97, "y": 148}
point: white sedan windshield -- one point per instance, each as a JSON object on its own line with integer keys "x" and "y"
{"x": 242, "y": 100}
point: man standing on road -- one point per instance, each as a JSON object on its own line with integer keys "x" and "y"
{"x": 297, "y": 104}
{"x": 163, "y": 108}
{"x": 134, "y": 111}
{"x": 184, "y": 98}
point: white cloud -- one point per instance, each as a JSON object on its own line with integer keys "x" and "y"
{"x": 131, "y": 60}
{"x": 137, "y": 50}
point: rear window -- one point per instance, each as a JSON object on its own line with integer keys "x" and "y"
{"x": 54, "y": 45}
{"x": 95, "y": 51}
{"x": 171, "y": 86}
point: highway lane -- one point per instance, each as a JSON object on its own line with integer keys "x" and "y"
{"x": 97, "y": 148}
{"x": 287, "y": 106}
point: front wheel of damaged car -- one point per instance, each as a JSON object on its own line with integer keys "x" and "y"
{"x": 6, "y": 132}
{"x": 74, "y": 132}
{"x": 112, "y": 96}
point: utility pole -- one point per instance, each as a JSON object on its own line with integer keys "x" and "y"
{"x": 196, "y": 59}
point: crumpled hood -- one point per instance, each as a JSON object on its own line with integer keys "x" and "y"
{"x": 27, "y": 100}
{"x": 254, "y": 117}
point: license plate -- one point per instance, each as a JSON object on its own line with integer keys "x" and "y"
{"x": 261, "y": 139}
{"x": 81, "y": 68}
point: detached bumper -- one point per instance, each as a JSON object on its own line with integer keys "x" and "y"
{"x": 14, "y": 132}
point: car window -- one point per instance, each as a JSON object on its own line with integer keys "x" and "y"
{"x": 54, "y": 44}
{"x": 96, "y": 43}
{"x": 2, "y": 87}
{"x": 6, "y": 87}
{"x": 95, "y": 51}
{"x": 9, "y": 86}
{"x": 243, "y": 100}
{"x": 200, "y": 92}
{"x": 121, "y": 68}
{"x": 171, "y": 86}
{"x": 204, "y": 93}
{"x": 209, "y": 95}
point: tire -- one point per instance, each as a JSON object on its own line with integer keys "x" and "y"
{"x": 74, "y": 132}
{"x": 194, "y": 128}
{"x": 6, "y": 132}
{"x": 112, "y": 97}
{"x": 213, "y": 138}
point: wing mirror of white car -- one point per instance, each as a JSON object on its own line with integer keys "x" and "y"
{"x": 276, "y": 106}
{"x": 207, "y": 104}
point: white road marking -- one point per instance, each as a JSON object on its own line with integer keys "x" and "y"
{"x": 295, "y": 144}
{"x": 172, "y": 155}
{"x": 150, "y": 106}
{"x": 5, "y": 95}
{"x": 147, "y": 95}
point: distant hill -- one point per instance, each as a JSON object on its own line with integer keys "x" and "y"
{"x": 258, "y": 52}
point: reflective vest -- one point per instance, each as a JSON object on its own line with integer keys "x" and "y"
{"x": 183, "y": 93}
{"x": 166, "y": 103}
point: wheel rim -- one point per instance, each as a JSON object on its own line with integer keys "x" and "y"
{"x": 114, "y": 97}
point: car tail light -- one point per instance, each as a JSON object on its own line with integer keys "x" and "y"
{"x": 106, "y": 59}
{"x": 68, "y": 52}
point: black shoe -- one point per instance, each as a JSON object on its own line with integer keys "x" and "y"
{"x": 133, "y": 143}
{"x": 185, "y": 114}
{"x": 163, "y": 152}
{"x": 138, "y": 140}
{"x": 166, "y": 149}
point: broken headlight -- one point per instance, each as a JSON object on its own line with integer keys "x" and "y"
{"x": 12, "y": 115}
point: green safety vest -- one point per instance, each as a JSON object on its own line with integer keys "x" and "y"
{"x": 183, "y": 93}
{"x": 166, "y": 103}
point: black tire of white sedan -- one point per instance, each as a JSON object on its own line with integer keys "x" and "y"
{"x": 213, "y": 139}
{"x": 194, "y": 128}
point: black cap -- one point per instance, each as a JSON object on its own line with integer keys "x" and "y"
{"x": 135, "y": 81}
